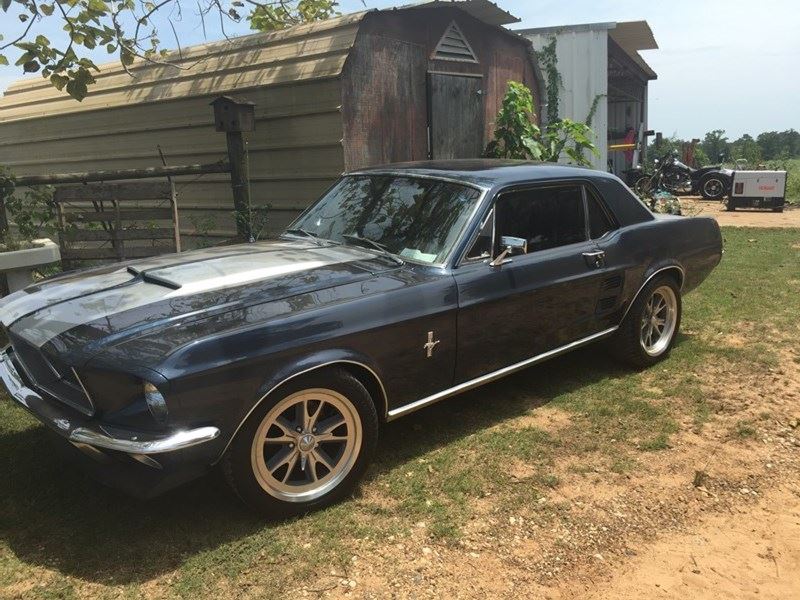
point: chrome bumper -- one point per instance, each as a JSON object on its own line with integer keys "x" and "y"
{"x": 93, "y": 434}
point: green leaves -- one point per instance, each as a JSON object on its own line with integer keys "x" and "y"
{"x": 517, "y": 136}
{"x": 271, "y": 16}
{"x": 124, "y": 28}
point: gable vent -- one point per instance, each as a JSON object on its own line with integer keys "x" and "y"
{"x": 454, "y": 46}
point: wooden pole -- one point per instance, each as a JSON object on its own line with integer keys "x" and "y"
{"x": 218, "y": 167}
{"x": 240, "y": 184}
{"x": 3, "y": 232}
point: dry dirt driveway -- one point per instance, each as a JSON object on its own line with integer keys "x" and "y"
{"x": 692, "y": 205}
{"x": 748, "y": 555}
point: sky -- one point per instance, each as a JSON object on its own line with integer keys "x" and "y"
{"x": 732, "y": 65}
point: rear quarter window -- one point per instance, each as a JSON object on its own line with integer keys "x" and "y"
{"x": 627, "y": 209}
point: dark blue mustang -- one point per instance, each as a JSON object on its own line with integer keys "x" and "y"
{"x": 402, "y": 286}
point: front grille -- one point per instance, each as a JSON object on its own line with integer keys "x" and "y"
{"x": 51, "y": 377}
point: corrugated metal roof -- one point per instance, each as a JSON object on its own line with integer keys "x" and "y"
{"x": 633, "y": 36}
{"x": 305, "y": 52}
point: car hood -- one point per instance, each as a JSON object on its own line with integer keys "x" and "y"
{"x": 92, "y": 306}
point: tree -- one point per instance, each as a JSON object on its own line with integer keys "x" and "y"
{"x": 517, "y": 135}
{"x": 779, "y": 144}
{"x": 125, "y": 29}
{"x": 747, "y": 148}
{"x": 715, "y": 144}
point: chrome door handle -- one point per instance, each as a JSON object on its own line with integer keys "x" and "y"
{"x": 595, "y": 259}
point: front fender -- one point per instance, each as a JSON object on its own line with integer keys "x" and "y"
{"x": 306, "y": 364}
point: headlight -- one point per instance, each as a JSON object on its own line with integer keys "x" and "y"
{"x": 155, "y": 402}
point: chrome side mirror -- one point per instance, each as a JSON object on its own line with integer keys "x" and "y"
{"x": 510, "y": 244}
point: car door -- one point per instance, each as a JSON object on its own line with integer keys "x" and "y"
{"x": 534, "y": 301}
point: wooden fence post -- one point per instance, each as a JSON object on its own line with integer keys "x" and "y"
{"x": 3, "y": 232}
{"x": 240, "y": 184}
{"x": 234, "y": 118}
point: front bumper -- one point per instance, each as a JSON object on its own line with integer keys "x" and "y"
{"x": 106, "y": 444}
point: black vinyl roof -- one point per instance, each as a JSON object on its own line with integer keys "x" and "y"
{"x": 490, "y": 172}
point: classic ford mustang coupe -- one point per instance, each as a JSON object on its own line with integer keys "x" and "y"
{"x": 402, "y": 286}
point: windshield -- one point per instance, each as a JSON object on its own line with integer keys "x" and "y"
{"x": 415, "y": 218}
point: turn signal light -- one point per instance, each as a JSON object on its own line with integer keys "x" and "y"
{"x": 155, "y": 402}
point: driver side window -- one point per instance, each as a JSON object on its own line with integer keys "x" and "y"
{"x": 546, "y": 217}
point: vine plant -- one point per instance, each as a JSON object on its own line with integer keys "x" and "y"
{"x": 32, "y": 212}
{"x": 517, "y": 135}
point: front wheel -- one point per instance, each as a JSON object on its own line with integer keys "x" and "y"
{"x": 305, "y": 446}
{"x": 648, "y": 332}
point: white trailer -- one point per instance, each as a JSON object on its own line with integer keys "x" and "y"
{"x": 757, "y": 189}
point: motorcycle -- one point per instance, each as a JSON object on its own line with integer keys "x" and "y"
{"x": 712, "y": 183}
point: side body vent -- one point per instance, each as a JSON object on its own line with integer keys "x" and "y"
{"x": 454, "y": 46}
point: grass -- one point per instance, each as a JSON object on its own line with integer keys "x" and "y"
{"x": 63, "y": 536}
{"x": 792, "y": 165}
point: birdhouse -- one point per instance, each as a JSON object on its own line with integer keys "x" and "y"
{"x": 233, "y": 116}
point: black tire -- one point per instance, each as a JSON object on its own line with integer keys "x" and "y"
{"x": 778, "y": 209}
{"x": 627, "y": 344}
{"x": 713, "y": 186}
{"x": 642, "y": 185}
{"x": 238, "y": 462}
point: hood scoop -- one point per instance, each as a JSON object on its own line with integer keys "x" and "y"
{"x": 149, "y": 277}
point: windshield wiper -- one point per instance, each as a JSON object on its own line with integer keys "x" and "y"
{"x": 352, "y": 237}
{"x": 305, "y": 233}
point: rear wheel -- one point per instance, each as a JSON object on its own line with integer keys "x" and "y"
{"x": 713, "y": 186}
{"x": 648, "y": 332}
{"x": 777, "y": 209}
{"x": 305, "y": 446}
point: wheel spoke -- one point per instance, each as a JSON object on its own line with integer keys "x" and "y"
{"x": 285, "y": 425}
{"x": 281, "y": 458}
{"x": 290, "y": 468}
{"x": 329, "y": 437}
{"x": 329, "y": 424}
{"x": 301, "y": 413}
{"x": 311, "y": 466}
{"x": 283, "y": 439}
{"x": 312, "y": 419}
{"x": 321, "y": 456}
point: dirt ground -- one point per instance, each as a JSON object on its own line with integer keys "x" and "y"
{"x": 695, "y": 205}
{"x": 716, "y": 517}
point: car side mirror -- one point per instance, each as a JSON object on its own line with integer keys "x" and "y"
{"x": 510, "y": 245}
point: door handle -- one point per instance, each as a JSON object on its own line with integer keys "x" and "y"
{"x": 595, "y": 259}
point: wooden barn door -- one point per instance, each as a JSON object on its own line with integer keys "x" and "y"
{"x": 456, "y": 116}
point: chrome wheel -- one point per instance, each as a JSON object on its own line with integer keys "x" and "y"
{"x": 658, "y": 321}
{"x": 306, "y": 445}
{"x": 713, "y": 188}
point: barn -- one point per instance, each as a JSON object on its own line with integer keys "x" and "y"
{"x": 372, "y": 87}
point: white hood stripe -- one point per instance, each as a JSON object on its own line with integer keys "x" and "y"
{"x": 56, "y": 309}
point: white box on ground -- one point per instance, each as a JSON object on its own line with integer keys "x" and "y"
{"x": 758, "y": 189}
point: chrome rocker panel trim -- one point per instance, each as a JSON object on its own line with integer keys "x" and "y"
{"x": 131, "y": 442}
{"x": 489, "y": 377}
